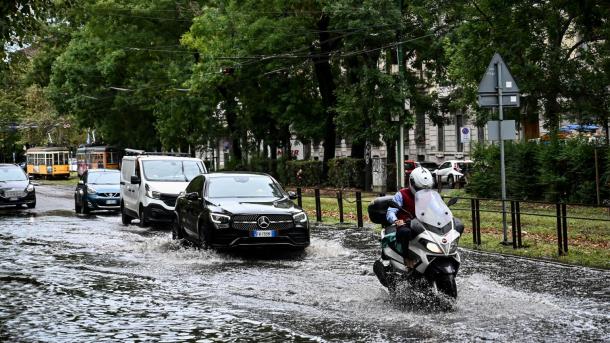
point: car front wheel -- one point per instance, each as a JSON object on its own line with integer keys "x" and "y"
{"x": 125, "y": 219}
{"x": 176, "y": 229}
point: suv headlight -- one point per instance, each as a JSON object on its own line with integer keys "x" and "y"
{"x": 152, "y": 194}
{"x": 221, "y": 221}
{"x": 300, "y": 218}
{"x": 29, "y": 188}
{"x": 91, "y": 190}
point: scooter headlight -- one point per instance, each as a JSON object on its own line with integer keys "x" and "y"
{"x": 434, "y": 247}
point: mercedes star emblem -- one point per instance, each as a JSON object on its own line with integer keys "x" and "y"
{"x": 263, "y": 222}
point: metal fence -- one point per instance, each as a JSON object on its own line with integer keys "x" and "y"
{"x": 560, "y": 213}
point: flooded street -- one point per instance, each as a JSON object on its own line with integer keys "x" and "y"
{"x": 74, "y": 278}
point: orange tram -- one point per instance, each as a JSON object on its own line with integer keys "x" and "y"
{"x": 96, "y": 157}
{"x": 48, "y": 162}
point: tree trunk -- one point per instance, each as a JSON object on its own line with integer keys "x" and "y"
{"x": 231, "y": 117}
{"x": 326, "y": 84}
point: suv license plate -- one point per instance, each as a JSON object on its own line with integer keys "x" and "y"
{"x": 265, "y": 233}
{"x": 111, "y": 202}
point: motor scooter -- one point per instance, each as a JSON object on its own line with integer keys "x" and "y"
{"x": 433, "y": 251}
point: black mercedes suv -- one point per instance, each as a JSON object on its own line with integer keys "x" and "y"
{"x": 227, "y": 210}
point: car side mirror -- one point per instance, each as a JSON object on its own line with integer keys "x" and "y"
{"x": 192, "y": 196}
{"x": 452, "y": 201}
{"x": 292, "y": 195}
{"x": 135, "y": 179}
{"x": 31, "y": 177}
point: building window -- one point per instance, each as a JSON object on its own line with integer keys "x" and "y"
{"x": 459, "y": 122}
{"x": 441, "y": 137}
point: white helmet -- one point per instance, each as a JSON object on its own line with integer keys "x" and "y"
{"x": 420, "y": 179}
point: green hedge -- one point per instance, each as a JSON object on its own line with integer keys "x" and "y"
{"x": 554, "y": 171}
{"x": 346, "y": 172}
{"x": 310, "y": 175}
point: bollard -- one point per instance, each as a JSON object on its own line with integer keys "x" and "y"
{"x": 518, "y": 214}
{"x": 478, "y": 223}
{"x": 340, "y": 204}
{"x": 299, "y": 197}
{"x": 559, "y": 231}
{"x": 318, "y": 205}
{"x": 474, "y": 221}
{"x": 564, "y": 221}
{"x": 513, "y": 222}
{"x": 359, "y": 209}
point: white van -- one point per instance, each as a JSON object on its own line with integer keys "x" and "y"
{"x": 150, "y": 184}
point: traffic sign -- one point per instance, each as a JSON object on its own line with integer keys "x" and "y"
{"x": 465, "y": 135}
{"x": 489, "y": 83}
{"x": 491, "y": 100}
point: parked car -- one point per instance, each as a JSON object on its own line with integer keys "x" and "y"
{"x": 430, "y": 165}
{"x": 228, "y": 210}
{"x": 98, "y": 189}
{"x": 409, "y": 166}
{"x": 150, "y": 184}
{"x": 452, "y": 171}
{"x": 15, "y": 187}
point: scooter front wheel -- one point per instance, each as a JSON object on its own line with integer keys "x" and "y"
{"x": 445, "y": 283}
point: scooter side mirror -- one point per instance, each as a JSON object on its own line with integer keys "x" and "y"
{"x": 452, "y": 201}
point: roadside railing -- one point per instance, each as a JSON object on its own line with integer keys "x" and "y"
{"x": 519, "y": 210}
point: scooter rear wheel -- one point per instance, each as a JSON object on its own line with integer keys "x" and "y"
{"x": 446, "y": 284}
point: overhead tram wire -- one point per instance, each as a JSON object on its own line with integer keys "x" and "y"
{"x": 352, "y": 53}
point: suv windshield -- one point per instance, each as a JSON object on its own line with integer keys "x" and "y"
{"x": 256, "y": 186}
{"x": 171, "y": 170}
{"x": 12, "y": 173}
{"x": 104, "y": 178}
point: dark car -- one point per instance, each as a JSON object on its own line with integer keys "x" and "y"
{"x": 431, "y": 166}
{"x": 98, "y": 189}
{"x": 15, "y": 187}
{"x": 227, "y": 210}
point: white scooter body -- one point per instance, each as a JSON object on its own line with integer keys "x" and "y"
{"x": 438, "y": 239}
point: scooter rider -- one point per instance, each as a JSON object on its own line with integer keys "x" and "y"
{"x": 420, "y": 179}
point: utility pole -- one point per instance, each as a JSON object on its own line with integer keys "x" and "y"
{"x": 400, "y": 165}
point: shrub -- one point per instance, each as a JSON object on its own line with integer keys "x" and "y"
{"x": 310, "y": 173}
{"x": 557, "y": 171}
{"x": 346, "y": 172}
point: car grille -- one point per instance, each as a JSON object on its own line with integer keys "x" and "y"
{"x": 109, "y": 195}
{"x": 169, "y": 199}
{"x": 14, "y": 194}
{"x": 249, "y": 222}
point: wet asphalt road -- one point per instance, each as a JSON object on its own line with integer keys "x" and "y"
{"x": 73, "y": 278}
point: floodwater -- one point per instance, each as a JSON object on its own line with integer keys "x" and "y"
{"x": 74, "y": 278}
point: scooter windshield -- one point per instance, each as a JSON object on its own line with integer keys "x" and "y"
{"x": 431, "y": 209}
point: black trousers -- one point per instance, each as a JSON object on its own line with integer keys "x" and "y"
{"x": 404, "y": 234}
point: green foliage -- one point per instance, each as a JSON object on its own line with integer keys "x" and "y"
{"x": 346, "y": 172}
{"x": 310, "y": 173}
{"x": 558, "y": 171}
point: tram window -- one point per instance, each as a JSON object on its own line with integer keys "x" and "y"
{"x": 49, "y": 159}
